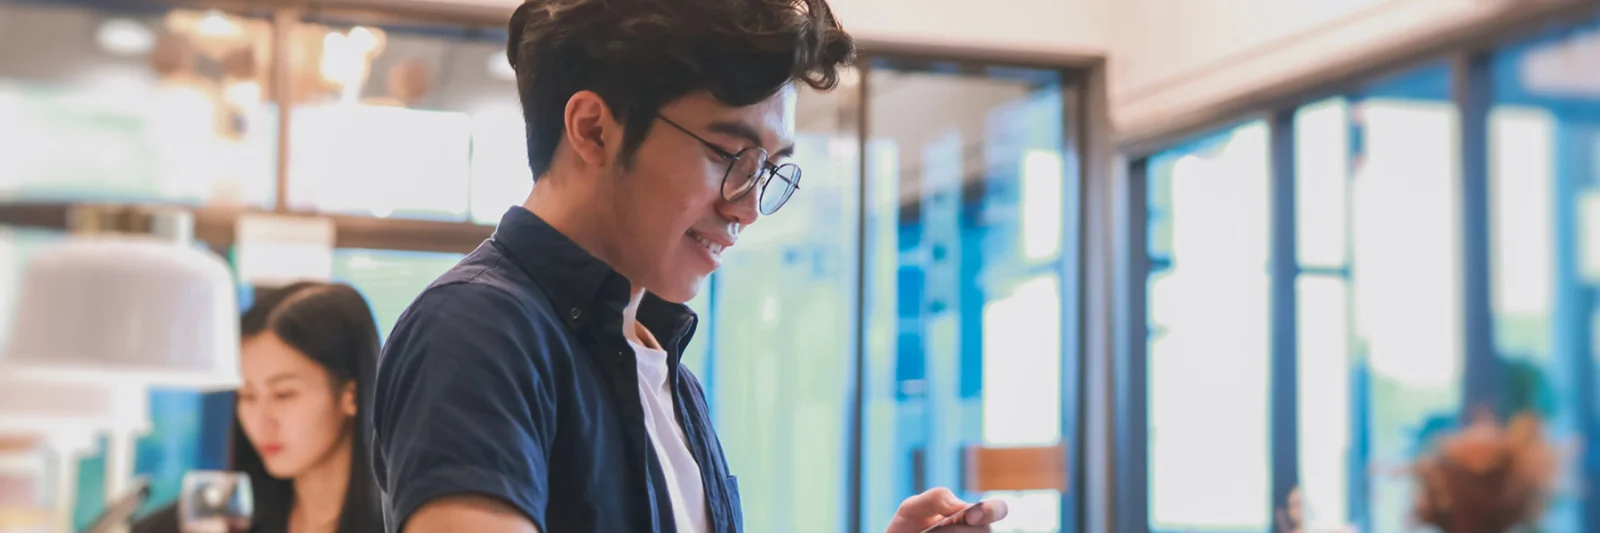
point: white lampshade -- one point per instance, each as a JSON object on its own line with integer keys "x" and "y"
{"x": 59, "y": 409}
{"x": 125, "y": 309}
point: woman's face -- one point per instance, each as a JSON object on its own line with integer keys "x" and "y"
{"x": 294, "y": 415}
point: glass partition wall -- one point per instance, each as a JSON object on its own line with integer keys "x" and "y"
{"x": 898, "y": 321}
{"x": 1336, "y": 285}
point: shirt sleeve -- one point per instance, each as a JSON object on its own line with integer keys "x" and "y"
{"x": 463, "y": 405}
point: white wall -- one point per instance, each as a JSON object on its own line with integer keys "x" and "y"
{"x": 1173, "y": 57}
{"x": 1063, "y": 27}
{"x": 1167, "y": 58}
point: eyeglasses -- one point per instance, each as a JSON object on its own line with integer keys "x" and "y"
{"x": 749, "y": 170}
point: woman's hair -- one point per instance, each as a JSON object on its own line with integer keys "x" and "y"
{"x": 333, "y": 326}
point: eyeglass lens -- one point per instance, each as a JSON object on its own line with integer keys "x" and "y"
{"x": 750, "y": 170}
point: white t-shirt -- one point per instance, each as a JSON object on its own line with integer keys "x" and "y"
{"x": 683, "y": 473}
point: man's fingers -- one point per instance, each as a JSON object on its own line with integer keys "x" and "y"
{"x": 933, "y": 503}
{"x": 963, "y": 529}
{"x": 988, "y": 512}
{"x": 936, "y": 504}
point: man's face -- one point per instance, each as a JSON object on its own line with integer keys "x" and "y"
{"x": 672, "y": 222}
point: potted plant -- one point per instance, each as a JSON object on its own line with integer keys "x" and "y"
{"x": 1486, "y": 478}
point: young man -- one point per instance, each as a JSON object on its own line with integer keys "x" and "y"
{"x": 536, "y": 386}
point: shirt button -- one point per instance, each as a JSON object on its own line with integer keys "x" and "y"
{"x": 576, "y": 313}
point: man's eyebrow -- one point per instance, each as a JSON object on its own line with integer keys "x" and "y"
{"x": 748, "y": 133}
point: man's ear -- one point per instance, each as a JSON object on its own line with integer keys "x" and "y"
{"x": 591, "y": 130}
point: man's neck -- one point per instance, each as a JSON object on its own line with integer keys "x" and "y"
{"x": 573, "y": 219}
{"x": 566, "y": 218}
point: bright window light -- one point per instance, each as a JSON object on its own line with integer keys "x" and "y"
{"x": 1041, "y": 204}
{"x": 1022, "y": 365}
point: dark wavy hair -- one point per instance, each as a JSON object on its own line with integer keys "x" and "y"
{"x": 331, "y": 324}
{"x": 639, "y": 55}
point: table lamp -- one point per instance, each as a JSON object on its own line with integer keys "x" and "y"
{"x": 127, "y": 299}
{"x": 127, "y": 302}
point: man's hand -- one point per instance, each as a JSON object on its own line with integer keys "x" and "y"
{"x": 924, "y": 510}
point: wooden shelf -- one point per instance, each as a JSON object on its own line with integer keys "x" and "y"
{"x": 1017, "y": 469}
{"x": 215, "y": 227}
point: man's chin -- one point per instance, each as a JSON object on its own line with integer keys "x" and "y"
{"x": 681, "y": 292}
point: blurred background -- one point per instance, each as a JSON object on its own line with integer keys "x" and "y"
{"x": 1214, "y": 265}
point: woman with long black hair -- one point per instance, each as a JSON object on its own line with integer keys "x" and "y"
{"x": 309, "y": 355}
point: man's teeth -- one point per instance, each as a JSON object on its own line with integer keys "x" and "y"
{"x": 714, "y": 247}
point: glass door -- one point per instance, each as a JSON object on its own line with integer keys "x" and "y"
{"x": 967, "y": 184}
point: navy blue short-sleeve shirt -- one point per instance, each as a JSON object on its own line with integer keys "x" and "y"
{"x": 510, "y": 378}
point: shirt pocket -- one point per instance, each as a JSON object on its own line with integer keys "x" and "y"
{"x": 732, "y": 483}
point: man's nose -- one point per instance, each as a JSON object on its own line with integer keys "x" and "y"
{"x": 744, "y": 210}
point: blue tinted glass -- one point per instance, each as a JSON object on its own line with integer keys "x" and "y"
{"x": 1544, "y": 268}
{"x": 173, "y": 445}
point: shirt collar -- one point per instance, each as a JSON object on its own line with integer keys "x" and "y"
{"x": 584, "y": 290}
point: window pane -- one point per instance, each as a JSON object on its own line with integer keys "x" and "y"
{"x": 965, "y": 226}
{"x": 1322, "y": 182}
{"x": 1405, "y": 271}
{"x": 1325, "y": 406}
{"x": 135, "y": 104}
{"x": 1022, "y": 365}
{"x": 1208, "y": 334}
{"x": 785, "y": 336}
{"x": 408, "y": 122}
{"x": 390, "y": 280}
{"x": 1542, "y": 139}
{"x": 1328, "y": 466}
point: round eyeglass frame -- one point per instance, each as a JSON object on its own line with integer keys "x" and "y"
{"x": 761, "y": 178}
